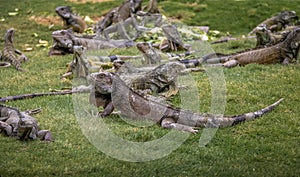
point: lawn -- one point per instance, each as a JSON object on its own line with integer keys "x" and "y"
{"x": 268, "y": 146}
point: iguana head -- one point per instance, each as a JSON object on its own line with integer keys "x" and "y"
{"x": 102, "y": 82}
{"x": 9, "y": 35}
{"x": 63, "y": 38}
{"x": 64, "y": 11}
{"x": 288, "y": 16}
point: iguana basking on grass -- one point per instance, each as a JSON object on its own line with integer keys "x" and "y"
{"x": 71, "y": 20}
{"x": 110, "y": 92}
{"x": 279, "y": 21}
{"x": 65, "y": 40}
{"x": 119, "y": 14}
{"x": 9, "y": 52}
{"x": 21, "y": 125}
{"x": 264, "y": 37}
{"x": 284, "y": 52}
{"x": 160, "y": 79}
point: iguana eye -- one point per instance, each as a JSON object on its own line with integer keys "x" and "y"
{"x": 101, "y": 75}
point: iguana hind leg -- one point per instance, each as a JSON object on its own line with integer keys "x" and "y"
{"x": 45, "y": 135}
{"x": 171, "y": 124}
{"x": 231, "y": 63}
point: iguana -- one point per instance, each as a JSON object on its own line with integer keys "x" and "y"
{"x": 151, "y": 55}
{"x": 70, "y": 19}
{"x": 21, "y": 125}
{"x": 160, "y": 79}
{"x": 9, "y": 52}
{"x": 173, "y": 41}
{"x": 279, "y": 21}
{"x": 284, "y": 52}
{"x": 119, "y": 14}
{"x": 64, "y": 40}
{"x": 110, "y": 92}
{"x": 264, "y": 37}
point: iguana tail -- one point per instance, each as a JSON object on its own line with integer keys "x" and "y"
{"x": 250, "y": 116}
{"x": 32, "y": 95}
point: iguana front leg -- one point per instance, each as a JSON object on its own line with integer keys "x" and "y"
{"x": 22, "y": 55}
{"x": 108, "y": 109}
{"x": 5, "y": 127}
{"x": 169, "y": 123}
{"x": 173, "y": 90}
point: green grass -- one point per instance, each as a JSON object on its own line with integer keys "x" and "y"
{"x": 265, "y": 147}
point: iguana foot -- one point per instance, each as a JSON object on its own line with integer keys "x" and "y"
{"x": 170, "y": 93}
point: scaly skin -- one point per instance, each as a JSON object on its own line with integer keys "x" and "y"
{"x": 279, "y": 21}
{"x": 21, "y": 125}
{"x": 111, "y": 92}
{"x": 119, "y": 14}
{"x": 9, "y": 53}
{"x": 284, "y": 52}
{"x": 70, "y": 19}
{"x": 65, "y": 40}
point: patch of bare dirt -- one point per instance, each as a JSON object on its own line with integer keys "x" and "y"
{"x": 47, "y": 20}
{"x": 85, "y": 1}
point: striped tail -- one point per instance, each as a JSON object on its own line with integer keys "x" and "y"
{"x": 253, "y": 115}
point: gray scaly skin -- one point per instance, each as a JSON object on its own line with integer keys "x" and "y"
{"x": 264, "y": 37}
{"x": 161, "y": 79}
{"x": 21, "y": 125}
{"x": 284, "y": 52}
{"x": 9, "y": 52}
{"x": 110, "y": 92}
{"x": 65, "y": 40}
{"x": 70, "y": 19}
{"x": 279, "y": 21}
{"x": 119, "y": 14}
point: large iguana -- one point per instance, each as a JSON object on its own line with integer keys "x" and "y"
{"x": 21, "y": 125}
{"x": 284, "y": 52}
{"x": 65, "y": 40}
{"x": 110, "y": 92}
{"x": 9, "y": 52}
{"x": 278, "y": 21}
{"x": 119, "y": 14}
{"x": 71, "y": 20}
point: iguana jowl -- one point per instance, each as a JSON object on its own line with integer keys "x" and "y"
{"x": 284, "y": 52}
{"x": 9, "y": 52}
{"x": 111, "y": 92}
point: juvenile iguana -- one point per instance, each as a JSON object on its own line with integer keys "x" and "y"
{"x": 21, "y": 125}
{"x": 70, "y": 19}
{"x": 278, "y": 21}
{"x": 9, "y": 52}
{"x": 65, "y": 40}
{"x": 110, "y": 92}
{"x": 284, "y": 52}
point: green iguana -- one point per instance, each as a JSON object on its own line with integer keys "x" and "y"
{"x": 284, "y": 52}
{"x": 65, "y": 40}
{"x": 21, "y": 125}
{"x": 279, "y": 21}
{"x": 9, "y": 52}
{"x": 70, "y": 19}
{"x": 110, "y": 92}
